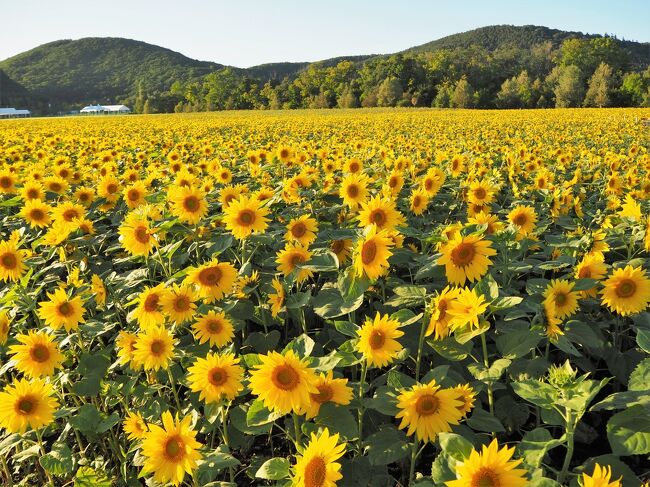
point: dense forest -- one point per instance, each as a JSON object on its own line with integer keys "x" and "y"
{"x": 491, "y": 67}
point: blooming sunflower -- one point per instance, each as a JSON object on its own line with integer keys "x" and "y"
{"x": 484, "y": 218}
{"x": 136, "y": 235}
{"x": 134, "y": 194}
{"x": 245, "y": 216}
{"x": 289, "y": 258}
{"x": 601, "y": 477}
{"x": 627, "y": 291}
{"x": 12, "y": 266}
{"x": 466, "y": 258}
{"x": 480, "y": 192}
{"x": 523, "y": 218}
{"x": 439, "y": 320}
{"x": 172, "y": 451}
{"x": 37, "y": 355}
{"x": 317, "y": 465}
{"x": 592, "y": 266}
{"x": 153, "y": 349}
{"x": 276, "y": 300}
{"x": 125, "y": 344}
{"x": 27, "y": 403}
{"x": 372, "y": 253}
{"x": 179, "y": 303}
{"x": 377, "y": 340}
{"x": 419, "y": 201}
{"x": 329, "y": 390}
{"x": 135, "y": 426}
{"x": 62, "y": 310}
{"x": 427, "y": 410}
{"x": 149, "y": 311}
{"x": 467, "y": 396}
{"x": 36, "y": 213}
{"x": 188, "y": 204}
{"x": 283, "y": 382}
{"x": 565, "y": 301}
{"x": 354, "y": 190}
{"x": 302, "y": 230}
{"x": 214, "y": 327}
{"x": 214, "y": 279}
{"x": 491, "y": 467}
{"x": 342, "y": 249}
{"x": 380, "y": 212}
{"x": 466, "y": 309}
{"x": 216, "y": 377}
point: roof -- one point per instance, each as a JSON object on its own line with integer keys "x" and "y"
{"x": 13, "y": 111}
{"x": 105, "y": 108}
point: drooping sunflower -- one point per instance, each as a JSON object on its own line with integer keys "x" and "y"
{"x": 61, "y": 310}
{"x": 179, "y": 303}
{"x": 302, "y": 230}
{"x": 283, "y": 382}
{"x": 466, "y": 309}
{"x": 27, "y": 403}
{"x": 136, "y": 235}
{"x": 154, "y": 348}
{"x": 216, "y": 377}
{"x": 36, "y": 213}
{"x": 12, "y": 266}
{"x": 317, "y": 465}
{"x": 214, "y": 327}
{"x": 466, "y": 258}
{"x": 172, "y": 451}
{"x": 523, "y": 218}
{"x": 427, "y": 410}
{"x": 564, "y": 299}
{"x": 214, "y": 279}
{"x": 382, "y": 213}
{"x": 492, "y": 466}
{"x": 276, "y": 300}
{"x": 601, "y": 477}
{"x": 125, "y": 345}
{"x": 289, "y": 258}
{"x": 245, "y": 216}
{"x": 329, "y": 390}
{"x": 149, "y": 310}
{"x": 372, "y": 253}
{"x": 552, "y": 322}
{"x": 135, "y": 426}
{"x": 439, "y": 320}
{"x": 188, "y": 203}
{"x": 377, "y": 340}
{"x": 627, "y": 291}
{"x": 37, "y": 355}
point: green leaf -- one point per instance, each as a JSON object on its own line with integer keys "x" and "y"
{"x": 621, "y": 400}
{"x": 640, "y": 377}
{"x": 214, "y": 462}
{"x": 302, "y": 346}
{"x": 455, "y": 446}
{"x": 258, "y": 414}
{"x": 408, "y": 297}
{"x": 87, "y": 420}
{"x": 628, "y": 432}
{"x": 387, "y": 446}
{"x": 347, "y": 328}
{"x": 488, "y": 287}
{"x": 443, "y": 469}
{"x": 517, "y": 343}
{"x": 450, "y": 349}
{"x": 484, "y": 421}
{"x": 92, "y": 368}
{"x": 88, "y": 477}
{"x": 58, "y": 461}
{"x": 539, "y": 393}
{"x": 274, "y": 469}
{"x": 466, "y": 336}
{"x": 297, "y": 300}
{"x": 534, "y": 445}
{"x": 584, "y": 284}
{"x": 643, "y": 339}
{"x": 505, "y": 302}
{"x": 491, "y": 375}
{"x": 338, "y": 419}
{"x": 329, "y": 303}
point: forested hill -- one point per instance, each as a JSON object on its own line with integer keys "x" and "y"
{"x": 491, "y": 67}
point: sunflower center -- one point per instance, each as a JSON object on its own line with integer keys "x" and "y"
{"x": 560, "y": 299}
{"x": 427, "y": 405}
{"x": 368, "y": 252}
{"x": 218, "y": 376}
{"x": 378, "y": 217}
{"x": 315, "y": 473}
{"x": 174, "y": 448}
{"x": 9, "y": 260}
{"x": 298, "y": 230}
{"x": 463, "y": 254}
{"x": 485, "y": 477}
{"x": 354, "y": 167}
{"x": 5, "y": 182}
{"x": 54, "y": 186}
{"x": 417, "y": 201}
{"x": 584, "y": 273}
{"x": 246, "y": 217}
{"x": 39, "y": 353}
{"x": 353, "y": 191}
{"x": 520, "y": 219}
{"x": 284, "y": 153}
{"x": 376, "y": 339}
{"x": 214, "y": 326}
{"x": 33, "y": 193}
{"x": 111, "y": 188}
{"x": 181, "y": 303}
{"x": 71, "y": 214}
{"x": 626, "y": 288}
{"x": 285, "y": 377}
{"x": 134, "y": 195}
{"x": 26, "y": 405}
{"x": 191, "y": 203}
{"x": 297, "y": 259}
{"x": 480, "y": 193}
{"x": 141, "y": 234}
{"x": 65, "y": 309}
{"x": 392, "y": 182}
{"x": 157, "y": 347}
{"x": 442, "y": 309}
{"x": 151, "y": 303}
{"x": 325, "y": 394}
{"x": 37, "y": 214}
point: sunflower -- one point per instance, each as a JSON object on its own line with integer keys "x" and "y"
{"x": 601, "y": 477}
{"x": 36, "y": 213}
{"x": 428, "y": 410}
{"x": 135, "y": 426}
{"x": 341, "y": 248}
{"x": 627, "y": 291}
{"x": 289, "y": 258}
{"x": 188, "y": 204}
{"x": 466, "y": 258}
{"x": 599, "y": 244}
{"x": 439, "y": 320}
{"x": 32, "y": 190}
{"x": 245, "y": 216}
{"x": 67, "y": 213}
{"x": 419, "y": 201}
{"x": 329, "y": 390}
{"x": 354, "y": 190}
{"x": 27, "y": 403}
{"x": 7, "y": 182}
{"x": 98, "y": 289}
{"x": 377, "y": 340}
{"x": 302, "y": 230}
{"x": 467, "y": 396}
{"x": 134, "y": 194}
{"x": 214, "y": 279}
{"x": 125, "y": 345}
{"x": 179, "y": 303}
{"x": 276, "y": 300}
{"x": 480, "y": 193}
{"x": 466, "y": 309}
{"x": 149, "y": 311}
{"x": 136, "y": 235}
{"x": 172, "y": 451}
{"x": 484, "y": 218}
{"x": 380, "y": 212}
{"x": 317, "y": 465}
{"x": 433, "y": 181}
{"x": 84, "y": 196}
{"x": 109, "y": 188}
{"x": 12, "y": 266}
{"x": 491, "y": 467}
{"x": 565, "y": 301}
{"x": 523, "y": 218}
{"x": 153, "y": 349}
{"x": 372, "y": 253}
{"x": 214, "y": 327}
{"x": 62, "y": 310}
{"x": 592, "y": 266}
{"x": 37, "y": 355}
{"x": 4, "y": 327}
{"x": 216, "y": 377}
{"x": 552, "y": 324}
{"x": 283, "y": 382}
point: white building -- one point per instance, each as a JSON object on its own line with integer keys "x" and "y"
{"x": 104, "y": 109}
{"x": 13, "y": 113}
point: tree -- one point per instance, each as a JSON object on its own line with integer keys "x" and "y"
{"x": 443, "y": 97}
{"x": 632, "y": 89}
{"x": 389, "y": 92}
{"x": 508, "y": 96}
{"x": 600, "y": 85}
{"x": 347, "y": 98}
{"x": 463, "y": 95}
{"x": 569, "y": 89}
{"x": 147, "y": 108}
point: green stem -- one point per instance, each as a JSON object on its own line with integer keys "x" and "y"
{"x": 569, "y": 449}
{"x": 362, "y": 381}
{"x": 296, "y": 429}
{"x": 423, "y": 329}
{"x": 173, "y": 387}
{"x": 224, "y": 430}
{"x": 486, "y": 362}
{"x": 39, "y": 436}
{"x": 7, "y": 472}
{"x": 414, "y": 457}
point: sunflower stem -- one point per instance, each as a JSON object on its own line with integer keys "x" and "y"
{"x": 39, "y": 436}
{"x": 296, "y": 429}
{"x": 418, "y": 360}
{"x": 7, "y": 472}
{"x": 569, "y": 448}
{"x": 172, "y": 384}
{"x": 362, "y": 381}
{"x": 224, "y": 430}
{"x": 486, "y": 362}
{"x": 414, "y": 457}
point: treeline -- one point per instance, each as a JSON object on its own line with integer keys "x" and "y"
{"x": 593, "y": 72}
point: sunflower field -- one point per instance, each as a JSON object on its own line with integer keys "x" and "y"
{"x": 314, "y": 298}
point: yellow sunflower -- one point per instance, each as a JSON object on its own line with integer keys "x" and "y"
{"x": 565, "y": 301}
{"x": 12, "y": 266}
{"x": 329, "y": 390}
{"x": 172, "y": 451}
{"x": 149, "y": 311}
{"x": 427, "y": 410}
{"x": 439, "y": 320}
{"x": 37, "y": 355}
{"x": 302, "y": 230}
{"x": 134, "y": 194}
{"x": 627, "y": 291}
{"x": 61, "y": 310}
{"x": 467, "y": 396}
{"x": 377, "y": 340}
{"x": 216, "y": 377}
{"x": 245, "y": 216}
{"x": 188, "y": 204}
{"x": 27, "y": 403}
{"x": 592, "y": 266}
{"x": 283, "y": 382}
{"x": 135, "y": 426}
{"x": 214, "y": 279}
{"x": 36, "y": 213}
{"x": 4, "y": 327}
{"x": 276, "y": 300}
{"x": 466, "y": 309}
{"x": 136, "y": 235}
{"x": 214, "y": 327}
{"x": 484, "y": 218}
{"x": 372, "y": 253}
{"x": 601, "y": 477}
{"x": 523, "y": 218}
{"x": 466, "y": 258}
{"x": 354, "y": 190}
{"x": 179, "y": 303}
{"x": 419, "y": 201}
{"x": 316, "y": 466}
{"x": 125, "y": 345}
{"x": 153, "y": 349}
{"x": 380, "y": 212}
{"x": 289, "y": 258}
{"x": 492, "y": 466}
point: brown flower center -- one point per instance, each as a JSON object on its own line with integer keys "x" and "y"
{"x": 214, "y": 326}
{"x": 141, "y": 234}
{"x": 157, "y": 347}
{"x": 181, "y": 303}
{"x": 39, "y": 353}
{"x": 297, "y": 259}
{"x": 378, "y": 217}
{"x": 376, "y": 339}
{"x": 37, "y": 214}
{"x": 485, "y": 477}
{"x": 9, "y": 260}
{"x": 427, "y": 405}
{"x": 6, "y": 182}
{"x": 174, "y": 449}
{"x": 315, "y": 473}
{"x": 463, "y": 254}
{"x": 480, "y": 193}
{"x": 520, "y": 219}
{"x": 26, "y": 405}
{"x": 299, "y": 230}
{"x": 111, "y": 188}
{"x": 285, "y": 377}
{"x": 191, "y": 203}
{"x": 560, "y": 299}
{"x": 353, "y": 190}
{"x": 71, "y": 214}
{"x": 337, "y": 246}
{"x": 325, "y": 394}
{"x": 133, "y": 195}
{"x": 368, "y": 252}
{"x": 218, "y": 376}
{"x": 65, "y": 309}
{"x": 625, "y": 288}
{"x": 246, "y": 218}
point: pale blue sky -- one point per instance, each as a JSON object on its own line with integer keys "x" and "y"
{"x": 247, "y": 32}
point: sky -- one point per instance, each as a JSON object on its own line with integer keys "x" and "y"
{"x": 245, "y": 33}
